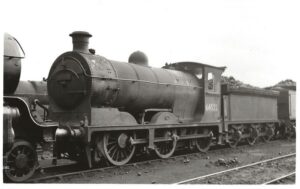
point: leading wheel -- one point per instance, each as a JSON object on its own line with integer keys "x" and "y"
{"x": 21, "y": 161}
{"x": 203, "y": 144}
{"x": 165, "y": 149}
{"x": 116, "y": 147}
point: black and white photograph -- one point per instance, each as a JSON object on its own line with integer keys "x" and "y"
{"x": 119, "y": 93}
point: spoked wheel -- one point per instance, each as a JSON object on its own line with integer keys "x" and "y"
{"x": 116, "y": 147}
{"x": 269, "y": 133}
{"x": 203, "y": 144}
{"x": 234, "y": 137}
{"x": 253, "y": 135}
{"x": 21, "y": 161}
{"x": 165, "y": 149}
{"x": 289, "y": 131}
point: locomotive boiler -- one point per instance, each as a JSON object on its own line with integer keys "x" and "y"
{"x": 79, "y": 76}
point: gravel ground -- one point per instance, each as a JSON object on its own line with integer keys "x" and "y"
{"x": 288, "y": 180}
{"x": 175, "y": 170}
{"x": 253, "y": 175}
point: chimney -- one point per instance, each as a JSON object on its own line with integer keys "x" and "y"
{"x": 80, "y": 41}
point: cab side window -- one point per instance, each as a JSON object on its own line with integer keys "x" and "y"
{"x": 199, "y": 73}
{"x": 199, "y": 76}
{"x": 211, "y": 81}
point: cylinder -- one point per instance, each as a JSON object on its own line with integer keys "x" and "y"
{"x": 10, "y": 116}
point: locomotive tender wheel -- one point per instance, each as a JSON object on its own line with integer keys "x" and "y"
{"x": 21, "y": 161}
{"x": 234, "y": 137}
{"x": 269, "y": 133}
{"x": 166, "y": 149}
{"x": 203, "y": 144}
{"x": 116, "y": 147}
{"x": 289, "y": 131}
{"x": 253, "y": 135}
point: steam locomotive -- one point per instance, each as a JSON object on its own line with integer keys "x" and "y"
{"x": 24, "y": 116}
{"x": 108, "y": 110}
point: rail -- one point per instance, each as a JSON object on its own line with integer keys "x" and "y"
{"x": 279, "y": 178}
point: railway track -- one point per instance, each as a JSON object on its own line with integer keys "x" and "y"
{"x": 192, "y": 180}
{"x": 58, "y": 172}
{"x": 281, "y": 179}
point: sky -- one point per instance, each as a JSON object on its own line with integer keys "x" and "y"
{"x": 257, "y": 40}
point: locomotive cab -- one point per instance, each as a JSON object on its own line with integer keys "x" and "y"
{"x": 209, "y": 78}
{"x": 208, "y": 109}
